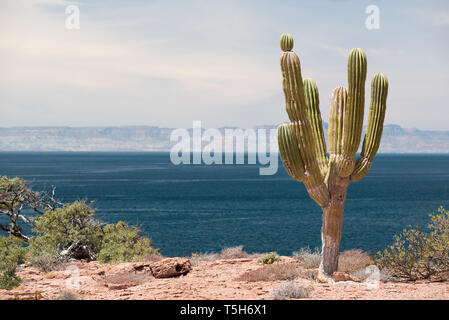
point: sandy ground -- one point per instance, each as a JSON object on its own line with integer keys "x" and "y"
{"x": 208, "y": 280}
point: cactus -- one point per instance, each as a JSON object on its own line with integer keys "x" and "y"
{"x": 303, "y": 148}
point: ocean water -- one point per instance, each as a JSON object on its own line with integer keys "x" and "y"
{"x": 199, "y": 208}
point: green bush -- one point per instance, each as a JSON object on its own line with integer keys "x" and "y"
{"x": 416, "y": 254}
{"x": 71, "y": 232}
{"x": 122, "y": 242}
{"x": 269, "y": 258}
{"x": 67, "y": 232}
{"x": 12, "y": 253}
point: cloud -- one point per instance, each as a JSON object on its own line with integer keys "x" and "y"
{"x": 167, "y": 64}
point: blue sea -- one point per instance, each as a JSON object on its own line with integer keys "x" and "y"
{"x": 204, "y": 208}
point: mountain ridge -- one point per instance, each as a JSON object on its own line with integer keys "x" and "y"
{"x": 395, "y": 139}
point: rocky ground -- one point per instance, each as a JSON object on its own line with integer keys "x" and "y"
{"x": 219, "y": 279}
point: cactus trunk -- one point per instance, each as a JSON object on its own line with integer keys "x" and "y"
{"x": 303, "y": 148}
{"x": 330, "y": 238}
{"x": 333, "y": 223}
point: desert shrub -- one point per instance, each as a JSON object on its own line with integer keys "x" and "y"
{"x": 122, "y": 242}
{"x": 12, "y": 253}
{"x": 233, "y": 253}
{"x": 196, "y": 258}
{"x": 269, "y": 258}
{"x": 417, "y": 254}
{"x": 307, "y": 258}
{"x": 271, "y": 272}
{"x": 67, "y": 232}
{"x": 68, "y": 295}
{"x": 290, "y": 290}
{"x": 45, "y": 260}
{"x": 352, "y": 260}
{"x": 310, "y": 274}
{"x": 154, "y": 257}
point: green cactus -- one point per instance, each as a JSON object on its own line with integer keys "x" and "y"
{"x": 303, "y": 148}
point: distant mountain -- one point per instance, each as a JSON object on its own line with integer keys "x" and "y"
{"x": 395, "y": 139}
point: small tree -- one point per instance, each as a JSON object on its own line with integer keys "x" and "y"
{"x": 67, "y": 232}
{"x": 15, "y": 198}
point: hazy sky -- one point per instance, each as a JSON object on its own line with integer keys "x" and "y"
{"x": 167, "y": 63}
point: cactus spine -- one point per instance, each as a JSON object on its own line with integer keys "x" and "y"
{"x": 303, "y": 148}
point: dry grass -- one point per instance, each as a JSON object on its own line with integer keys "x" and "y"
{"x": 68, "y": 295}
{"x": 154, "y": 258}
{"x": 46, "y": 262}
{"x": 307, "y": 258}
{"x": 196, "y": 258}
{"x": 290, "y": 290}
{"x": 272, "y": 272}
{"x": 309, "y": 274}
{"x": 123, "y": 280}
{"x": 352, "y": 260}
{"x": 226, "y": 253}
{"x": 233, "y": 253}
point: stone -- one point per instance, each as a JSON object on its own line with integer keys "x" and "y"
{"x": 170, "y": 267}
{"x": 341, "y": 276}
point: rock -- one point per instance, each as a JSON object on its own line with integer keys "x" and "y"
{"x": 141, "y": 267}
{"x": 170, "y": 267}
{"x": 119, "y": 286}
{"x": 342, "y": 276}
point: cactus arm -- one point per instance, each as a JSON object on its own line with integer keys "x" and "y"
{"x": 289, "y": 150}
{"x": 293, "y": 163}
{"x": 338, "y": 105}
{"x": 300, "y": 123}
{"x": 353, "y": 118}
{"x": 286, "y": 42}
{"x": 313, "y": 113}
{"x": 371, "y": 142}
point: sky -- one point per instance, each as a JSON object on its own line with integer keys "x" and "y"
{"x": 167, "y": 63}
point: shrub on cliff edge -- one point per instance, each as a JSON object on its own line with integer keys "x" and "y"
{"x": 416, "y": 254}
{"x": 12, "y": 253}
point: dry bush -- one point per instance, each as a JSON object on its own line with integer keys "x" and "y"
{"x": 309, "y": 274}
{"x": 272, "y": 272}
{"x": 290, "y": 290}
{"x": 307, "y": 258}
{"x": 68, "y": 295}
{"x": 233, "y": 253}
{"x": 46, "y": 261}
{"x": 154, "y": 258}
{"x": 196, "y": 258}
{"x": 352, "y": 260}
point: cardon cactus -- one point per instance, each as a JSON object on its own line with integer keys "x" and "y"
{"x": 303, "y": 148}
